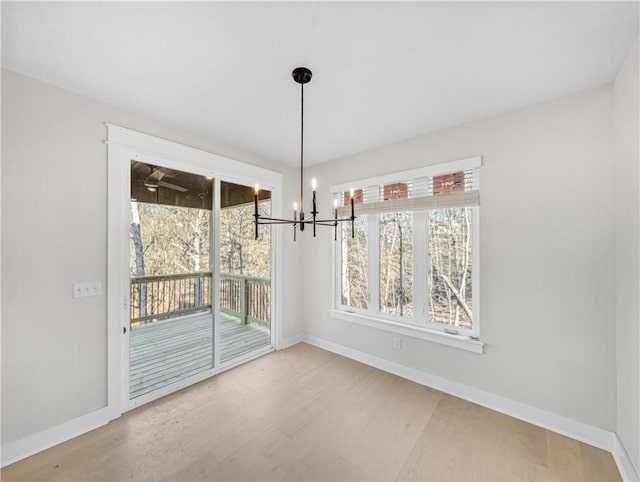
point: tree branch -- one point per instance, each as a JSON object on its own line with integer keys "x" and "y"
{"x": 456, "y": 293}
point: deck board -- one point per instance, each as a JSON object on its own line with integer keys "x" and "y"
{"x": 164, "y": 352}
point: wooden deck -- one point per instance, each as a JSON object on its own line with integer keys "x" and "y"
{"x": 164, "y": 352}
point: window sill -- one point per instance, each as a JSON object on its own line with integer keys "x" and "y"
{"x": 457, "y": 341}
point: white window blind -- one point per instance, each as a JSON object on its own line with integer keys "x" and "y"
{"x": 442, "y": 188}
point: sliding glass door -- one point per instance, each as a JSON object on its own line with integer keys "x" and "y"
{"x": 245, "y": 273}
{"x": 200, "y": 283}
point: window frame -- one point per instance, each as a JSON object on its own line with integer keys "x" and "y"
{"x": 418, "y": 325}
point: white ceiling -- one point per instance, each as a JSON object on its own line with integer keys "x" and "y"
{"x": 383, "y": 71}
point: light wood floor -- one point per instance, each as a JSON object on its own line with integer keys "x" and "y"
{"x": 306, "y": 414}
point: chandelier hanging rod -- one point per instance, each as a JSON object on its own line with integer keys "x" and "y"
{"x": 302, "y": 75}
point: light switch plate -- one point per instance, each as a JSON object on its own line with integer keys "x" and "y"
{"x": 91, "y": 288}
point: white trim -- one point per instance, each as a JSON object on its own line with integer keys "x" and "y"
{"x": 457, "y": 341}
{"x": 420, "y": 265}
{"x": 373, "y": 265}
{"x": 291, "y": 340}
{"x": 475, "y": 272}
{"x": 623, "y": 461}
{"x": 214, "y": 164}
{"x": 32, "y": 444}
{"x": 557, "y": 423}
{"x": 117, "y": 270}
{"x": 118, "y": 275}
{"x": 434, "y": 169}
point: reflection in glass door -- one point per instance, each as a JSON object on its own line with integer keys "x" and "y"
{"x": 171, "y": 320}
{"x": 245, "y": 273}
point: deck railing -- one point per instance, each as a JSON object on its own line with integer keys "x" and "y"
{"x": 169, "y": 296}
{"x": 248, "y": 297}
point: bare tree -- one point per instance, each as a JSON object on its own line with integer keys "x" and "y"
{"x": 355, "y": 290}
{"x": 396, "y": 263}
{"x": 244, "y": 254}
{"x": 450, "y": 255}
{"x": 138, "y": 258}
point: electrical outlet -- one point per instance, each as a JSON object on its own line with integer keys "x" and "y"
{"x": 397, "y": 343}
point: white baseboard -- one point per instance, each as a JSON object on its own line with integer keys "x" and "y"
{"x": 291, "y": 340}
{"x": 556, "y": 423}
{"x": 23, "y": 448}
{"x": 623, "y": 461}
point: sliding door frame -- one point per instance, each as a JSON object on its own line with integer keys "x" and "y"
{"x": 126, "y": 145}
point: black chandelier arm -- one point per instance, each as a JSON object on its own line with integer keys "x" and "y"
{"x": 328, "y": 222}
{"x": 332, "y": 223}
{"x": 277, "y": 222}
{"x": 266, "y": 218}
{"x": 333, "y": 220}
{"x": 307, "y": 220}
{"x": 322, "y": 222}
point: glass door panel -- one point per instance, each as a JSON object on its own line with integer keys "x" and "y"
{"x": 171, "y": 319}
{"x": 245, "y": 272}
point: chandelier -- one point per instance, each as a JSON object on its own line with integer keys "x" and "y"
{"x": 302, "y": 75}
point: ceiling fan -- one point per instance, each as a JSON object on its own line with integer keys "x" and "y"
{"x": 154, "y": 181}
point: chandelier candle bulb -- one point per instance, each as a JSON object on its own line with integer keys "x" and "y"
{"x": 352, "y": 210}
{"x": 314, "y": 185}
{"x": 314, "y": 211}
{"x": 255, "y": 200}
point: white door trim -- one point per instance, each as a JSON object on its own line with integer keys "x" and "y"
{"x": 125, "y": 145}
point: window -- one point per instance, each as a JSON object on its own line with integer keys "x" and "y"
{"x": 396, "y": 263}
{"x": 412, "y": 259}
{"x": 355, "y": 262}
{"x": 450, "y": 276}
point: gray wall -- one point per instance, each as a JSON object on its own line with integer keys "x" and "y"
{"x": 547, "y": 248}
{"x": 54, "y": 233}
{"x": 627, "y": 187}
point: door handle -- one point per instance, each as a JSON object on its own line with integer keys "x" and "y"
{"x": 124, "y": 330}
